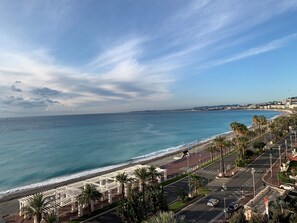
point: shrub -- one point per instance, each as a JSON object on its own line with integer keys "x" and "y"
{"x": 249, "y": 153}
{"x": 259, "y": 145}
{"x": 239, "y": 162}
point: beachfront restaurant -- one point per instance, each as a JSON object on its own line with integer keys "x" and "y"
{"x": 63, "y": 200}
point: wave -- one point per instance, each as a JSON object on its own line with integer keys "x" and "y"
{"x": 62, "y": 179}
{"x": 134, "y": 160}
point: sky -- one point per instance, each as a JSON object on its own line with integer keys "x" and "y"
{"x": 97, "y": 56}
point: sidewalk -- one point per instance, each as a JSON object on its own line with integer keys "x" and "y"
{"x": 270, "y": 177}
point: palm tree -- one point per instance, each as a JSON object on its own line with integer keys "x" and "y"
{"x": 238, "y": 217}
{"x": 123, "y": 179}
{"x": 51, "y": 218}
{"x": 166, "y": 217}
{"x": 181, "y": 194}
{"x": 156, "y": 200}
{"x": 153, "y": 174}
{"x": 220, "y": 143}
{"x": 259, "y": 121}
{"x": 88, "y": 195}
{"x": 212, "y": 150}
{"x": 36, "y": 207}
{"x": 239, "y": 129}
{"x": 143, "y": 175}
{"x": 195, "y": 183}
{"x": 241, "y": 143}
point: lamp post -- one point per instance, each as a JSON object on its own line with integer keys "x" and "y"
{"x": 286, "y": 144}
{"x": 270, "y": 156}
{"x": 291, "y": 139}
{"x": 224, "y": 189}
{"x": 295, "y": 133}
{"x": 188, "y": 163}
{"x": 253, "y": 174}
{"x": 280, "y": 158}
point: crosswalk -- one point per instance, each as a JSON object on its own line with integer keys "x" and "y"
{"x": 208, "y": 172}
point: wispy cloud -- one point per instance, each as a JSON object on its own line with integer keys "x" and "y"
{"x": 273, "y": 45}
{"x": 115, "y": 74}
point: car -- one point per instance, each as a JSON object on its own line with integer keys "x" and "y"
{"x": 232, "y": 207}
{"x": 212, "y": 202}
{"x": 287, "y": 186}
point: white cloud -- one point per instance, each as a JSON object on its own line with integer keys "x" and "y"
{"x": 273, "y": 45}
{"x": 124, "y": 78}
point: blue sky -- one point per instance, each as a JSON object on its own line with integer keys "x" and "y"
{"x": 95, "y": 56}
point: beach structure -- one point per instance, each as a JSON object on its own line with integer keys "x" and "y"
{"x": 65, "y": 197}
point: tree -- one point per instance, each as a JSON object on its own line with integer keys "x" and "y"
{"x": 195, "y": 183}
{"x": 123, "y": 179}
{"x": 241, "y": 143}
{"x": 278, "y": 211}
{"x": 220, "y": 142}
{"x": 153, "y": 174}
{"x": 37, "y": 206}
{"x": 51, "y": 218}
{"x": 156, "y": 200}
{"x": 131, "y": 210}
{"x": 182, "y": 194}
{"x": 143, "y": 175}
{"x": 166, "y": 217}
{"x": 239, "y": 129}
{"x": 259, "y": 121}
{"x": 293, "y": 218}
{"x": 212, "y": 150}
{"x": 89, "y": 195}
{"x": 256, "y": 121}
{"x": 238, "y": 217}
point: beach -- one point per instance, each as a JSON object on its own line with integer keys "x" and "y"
{"x": 9, "y": 203}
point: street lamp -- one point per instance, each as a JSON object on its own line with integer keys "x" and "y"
{"x": 286, "y": 144}
{"x": 224, "y": 189}
{"x": 291, "y": 139}
{"x": 295, "y": 133}
{"x": 280, "y": 158}
{"x": 253, "y": 174}
{"x": 270, "y": 156}
{"x": 188, "y": 163}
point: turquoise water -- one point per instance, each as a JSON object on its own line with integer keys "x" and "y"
{"x": 51, "y": 149}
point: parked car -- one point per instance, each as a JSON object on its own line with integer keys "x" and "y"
{"x": 213, "y": 202}
{"x": 232, "y": 207}
{"x": 287, "y": 186}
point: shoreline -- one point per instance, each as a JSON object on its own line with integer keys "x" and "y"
{"x": 159, "y": 161}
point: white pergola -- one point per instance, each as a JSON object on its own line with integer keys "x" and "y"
{"x": 105, "y": 184}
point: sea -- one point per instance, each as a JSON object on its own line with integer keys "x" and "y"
{"x": 37, "y": 151}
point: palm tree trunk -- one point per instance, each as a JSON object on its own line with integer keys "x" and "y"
{"x": 123, "y": 191}
{"x": 144, "y": 203}
{"x": 222, "y": 162}
{"x": 90, "y": 208}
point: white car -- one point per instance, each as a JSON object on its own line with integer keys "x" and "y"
{"x": 287, "y": 187}
{"x": 212, "y": 202}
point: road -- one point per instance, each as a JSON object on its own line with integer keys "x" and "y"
{"x": 237, "y": 186}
